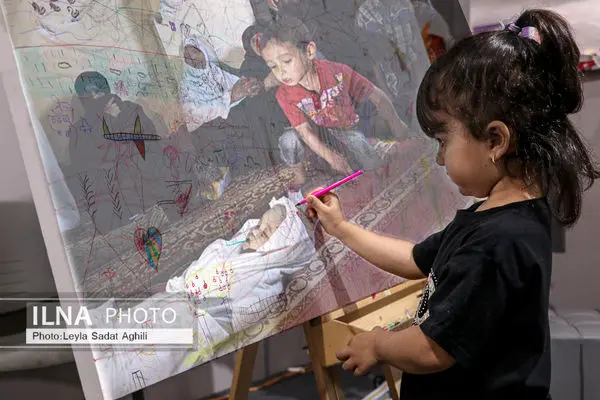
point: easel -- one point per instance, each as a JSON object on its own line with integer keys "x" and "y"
{"x": 393, "y": 308}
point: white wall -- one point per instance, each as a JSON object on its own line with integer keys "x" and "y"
{"x": 22, "y": 251}
{"x": 576, "y": 274}
{"x": 466, "y": 8}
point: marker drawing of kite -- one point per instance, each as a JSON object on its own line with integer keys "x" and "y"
{"x": 137, "y": 137}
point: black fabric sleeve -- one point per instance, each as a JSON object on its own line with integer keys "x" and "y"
{"x": 466, "y": 306}
{"x": 424, "y": 253}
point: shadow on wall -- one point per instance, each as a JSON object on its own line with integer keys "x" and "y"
{"x": 24, "y": 267}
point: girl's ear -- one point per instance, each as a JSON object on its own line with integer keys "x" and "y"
{"x": 499, "y": 139}
{"x": 311, "y": 50}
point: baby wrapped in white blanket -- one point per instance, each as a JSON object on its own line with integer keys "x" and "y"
{"x": 238, "y": 282}
{"x": 231, "y": 287}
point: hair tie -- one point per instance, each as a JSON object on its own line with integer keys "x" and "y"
{"x": 528, "y": 32}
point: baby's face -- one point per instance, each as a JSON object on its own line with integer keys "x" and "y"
{"x": 288, "y": 63}
{"x": 259, "y": 235}
{"x": 194, "y": 57}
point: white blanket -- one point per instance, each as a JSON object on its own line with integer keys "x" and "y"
{"x": 241, "y": 290}
{"x": 237, "y": 288}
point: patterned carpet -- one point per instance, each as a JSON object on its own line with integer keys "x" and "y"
{"x": 392, "y": 200}
{"x": 118, "y": 269}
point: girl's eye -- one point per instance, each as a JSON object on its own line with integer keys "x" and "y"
{"x": 287, "y": 61}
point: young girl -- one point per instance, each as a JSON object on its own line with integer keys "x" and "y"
{"x": 497, "y": 103}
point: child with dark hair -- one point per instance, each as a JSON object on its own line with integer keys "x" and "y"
{"x": 322, "y": 93}
{"x": 498, "y": 104}
{"x": 106, "y": 161}
{"x": 253, "y": 64}
{"x": 91, "y": 82}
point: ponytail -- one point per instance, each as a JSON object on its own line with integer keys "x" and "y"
{"x": 558, "y": 58}
{"x": 566, "y": 168}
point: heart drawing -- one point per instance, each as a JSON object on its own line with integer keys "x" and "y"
{"x": 149, "y": 244}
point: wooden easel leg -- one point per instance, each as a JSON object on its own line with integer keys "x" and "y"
{"x": 390, "y": 378}
{"x": 328, "y": 381}
{"x": 242, "y": 373}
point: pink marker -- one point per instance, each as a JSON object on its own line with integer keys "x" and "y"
{"x": 330, "y": 188}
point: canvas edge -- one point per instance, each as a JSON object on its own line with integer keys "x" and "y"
{"x": 42, "y": 199}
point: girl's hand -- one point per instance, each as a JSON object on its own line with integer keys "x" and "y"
{"x": 359, "y": 354}
{"x": 327, "y": 210}
{"x": 245, "y": 87}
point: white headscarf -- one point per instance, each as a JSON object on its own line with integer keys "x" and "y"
{"x": 205, "y": 93}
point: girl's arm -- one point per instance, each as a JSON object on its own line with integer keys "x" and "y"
{"x": 408, "y": 350}
{"x": 388, "y": 112}
{"x": 411, "y": 351}
{"x": 334, "y": 159}
{"x": 392, "y": 255}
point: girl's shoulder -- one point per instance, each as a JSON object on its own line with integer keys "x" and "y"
{"x": 512, "y": 215}
{"x": 511, "y": 226}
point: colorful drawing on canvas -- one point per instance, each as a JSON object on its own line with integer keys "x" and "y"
{"x": 185, "y": 132}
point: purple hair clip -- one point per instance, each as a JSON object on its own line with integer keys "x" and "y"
{"x": 528, "y": 32}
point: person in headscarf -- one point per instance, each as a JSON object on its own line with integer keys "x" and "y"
{"x": 207, "y": 91}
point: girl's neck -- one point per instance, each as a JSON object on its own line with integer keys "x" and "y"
{"x": 310, "y": 81}
{"x": 510, "y": 190}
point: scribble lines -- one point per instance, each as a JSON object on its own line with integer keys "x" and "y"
{"x": 138, "y": 379}
{"x": 89, "y": 196}
{"x": 114, "y": 193}
{"x": 182, "y": 191}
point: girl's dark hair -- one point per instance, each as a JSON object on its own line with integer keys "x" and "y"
{"x": 529, "y": 86}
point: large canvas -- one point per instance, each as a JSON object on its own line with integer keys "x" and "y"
{"x": 173, "y": 178}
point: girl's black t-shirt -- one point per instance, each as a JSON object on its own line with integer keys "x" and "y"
{"x": 486, "y": 304}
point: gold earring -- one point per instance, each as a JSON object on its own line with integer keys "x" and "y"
{"x": 493, "y": 159}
